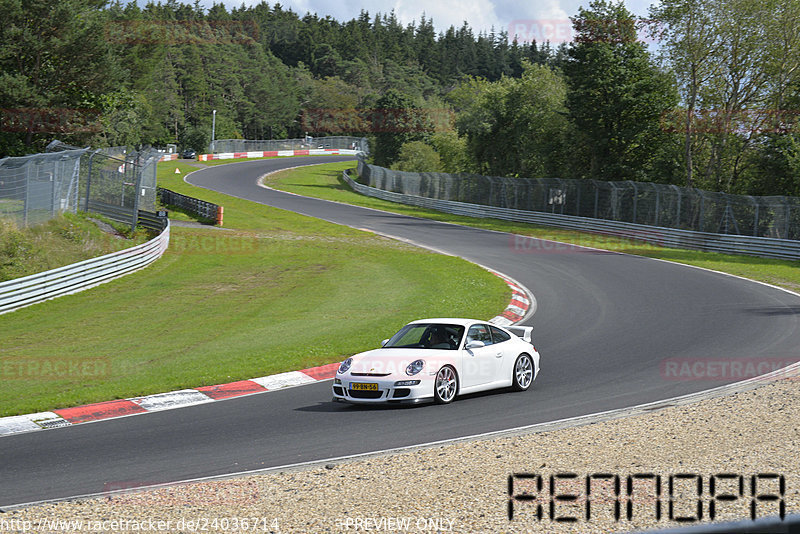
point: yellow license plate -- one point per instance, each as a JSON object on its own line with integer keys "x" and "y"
{"x": 361, "y": 385}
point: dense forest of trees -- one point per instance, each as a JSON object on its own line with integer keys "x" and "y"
{"x": 715, "y": 107}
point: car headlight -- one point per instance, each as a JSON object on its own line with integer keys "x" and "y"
{"x": 415, "y": 367}
{"x": 345, "y": 365}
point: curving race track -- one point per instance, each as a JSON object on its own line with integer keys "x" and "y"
{"x": 604, "y": 324}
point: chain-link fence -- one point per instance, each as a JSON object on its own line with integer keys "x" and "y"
{"x": 245, "y": 145}
{"x": 652, "y": 204}
{"x": 118, "y": 183}
{"x": 36, "y": 188}
{"x": 114, "y": 182}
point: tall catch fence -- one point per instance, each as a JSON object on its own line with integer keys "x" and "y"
{"x": 246, "y": 145}
{"x": 119, "y": 183}
{"x": 661, "y": 205}
{"x": 114, "y": 182}
{"x": 34, "y": 189}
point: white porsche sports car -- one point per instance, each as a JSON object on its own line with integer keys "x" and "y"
{"x": 438, "y": 359}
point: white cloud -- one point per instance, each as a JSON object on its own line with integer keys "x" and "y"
{"x": 481, "y": 15}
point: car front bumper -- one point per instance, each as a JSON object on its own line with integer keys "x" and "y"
{"x": 386, "y": 391}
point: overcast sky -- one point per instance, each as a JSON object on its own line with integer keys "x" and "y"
{"x": 538, "y": 19}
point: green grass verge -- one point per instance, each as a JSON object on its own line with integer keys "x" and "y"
{"x": 326, "y": 182}
{"x": 169, "y": 179}
{"x": 280, "y": 292}
{"x": 65, "y": 239}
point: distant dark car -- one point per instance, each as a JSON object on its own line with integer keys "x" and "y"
{"x": 188, "y": 154}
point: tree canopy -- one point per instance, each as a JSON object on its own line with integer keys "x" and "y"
{"x": 716, "y": 106}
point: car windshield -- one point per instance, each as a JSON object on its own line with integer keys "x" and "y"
{"x": 427, "y": 336}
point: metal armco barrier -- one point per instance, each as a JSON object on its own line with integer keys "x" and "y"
{"x": 21, "y": 292}
{"x": 152, "y": 221}
{"x": 112, "y": 211}
{"x": 249, "y": 145}
{"x": 144, "y": 218}
{"x": 193, "y": 205}
{"x": 666, "y": 237}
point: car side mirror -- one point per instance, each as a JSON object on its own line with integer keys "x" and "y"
{"x": 475, "y": 344}
{"x": 384, "y": 342}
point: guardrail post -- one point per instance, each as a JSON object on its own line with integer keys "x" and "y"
{"x": 26, "y": 202}
{"x": 52, "y": 194}
{"x": 701, "y": 222}
{"x": 788, "y": 215}
{"x": 138, "y": 184}
{"x": 635, "y": 199}
{"x": 614, "y": 202}
{"x": 163, "y": 219}
{"x": 658, "y": 205}
{"x": 755, "y": 216}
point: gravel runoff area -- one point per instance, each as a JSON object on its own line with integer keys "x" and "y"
{"x": 463, "y": 487}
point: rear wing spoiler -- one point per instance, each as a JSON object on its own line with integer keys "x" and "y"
{"x": 521, "y": 331}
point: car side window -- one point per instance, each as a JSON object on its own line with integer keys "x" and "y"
{"x": 498, "y": 335}
{"x": 479, "y": 332}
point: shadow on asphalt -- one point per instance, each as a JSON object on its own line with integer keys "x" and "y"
{"x": 331, "y": 406}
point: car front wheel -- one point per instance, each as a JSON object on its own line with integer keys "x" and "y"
{"x": 446, "y": 385}
{"x": 523, "y": 373}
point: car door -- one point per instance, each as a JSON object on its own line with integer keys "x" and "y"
{"x": 479, "y": 365}
{"x": 506, "y": 350}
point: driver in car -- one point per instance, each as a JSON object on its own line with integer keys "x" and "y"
{"x": 438, "y": 339}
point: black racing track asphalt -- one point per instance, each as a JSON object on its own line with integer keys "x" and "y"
{"x": 604, "y": 326}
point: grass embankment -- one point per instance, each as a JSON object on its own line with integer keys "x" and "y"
{"x": 279, "y": 292}
{"x": 169, "y": 179}
{"x": 326, "y": 182}
{"x": 65, "y": 239}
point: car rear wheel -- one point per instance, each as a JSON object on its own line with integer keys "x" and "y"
{"x": 523, "y": 373}
{"x": 446, "y": 385}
